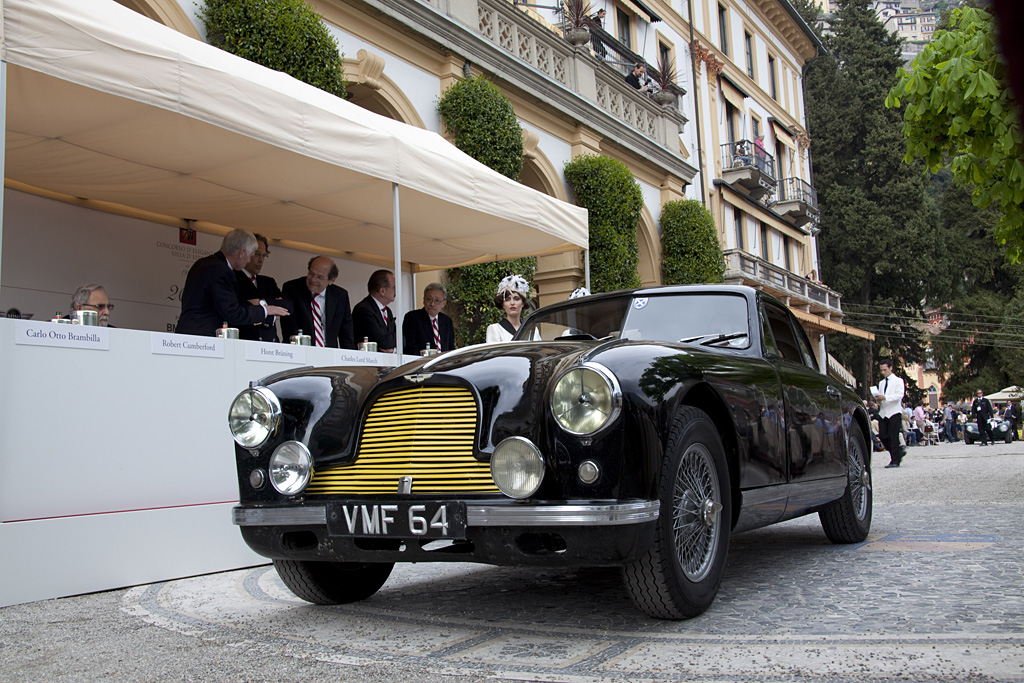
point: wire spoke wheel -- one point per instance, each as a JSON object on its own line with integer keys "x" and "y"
{"x": 679, "y": 574}
{"x": 696, "y": 503}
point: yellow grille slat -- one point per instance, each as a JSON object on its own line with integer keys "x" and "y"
{"x": 426, "y": 433}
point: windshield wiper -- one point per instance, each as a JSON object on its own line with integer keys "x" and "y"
{"x": 710, "y": 339}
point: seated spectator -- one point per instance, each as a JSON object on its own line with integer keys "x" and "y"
{"x": 92, "y": 298}
{"x": 428, "y": 327}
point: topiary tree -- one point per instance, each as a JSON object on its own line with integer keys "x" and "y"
{"x": 690, "y": 250}
{"x": 484, "y": 124}
{"x": 285, "y": 35}
{"x": 611, "y": 195}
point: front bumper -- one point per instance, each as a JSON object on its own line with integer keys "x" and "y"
{"x": 583, "y": 534}
{"x": 476, "y": 515}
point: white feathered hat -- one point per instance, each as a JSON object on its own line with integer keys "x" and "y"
{"x": 514, "y": 283}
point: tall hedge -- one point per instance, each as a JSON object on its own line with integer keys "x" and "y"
{"x": 690, "y": 250}
{"x": 285, "y": 35}
{"x": 611, "y": 195}
{"x": 484, "y": 125}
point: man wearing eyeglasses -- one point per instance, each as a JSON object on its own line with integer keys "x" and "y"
{"x": 92, "y": 298}
{"x": 253, "y": 287}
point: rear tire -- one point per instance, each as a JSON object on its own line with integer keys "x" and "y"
{"x": 679, "y": 575}
{"x": 332, "y": 583}
{"x": 848, "y": 519}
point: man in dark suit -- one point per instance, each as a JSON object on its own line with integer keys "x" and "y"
{"x": 210, "y": 296}
{"x": 428, "y": 326}
{"x": 255, "y": 287}
{"x": 371, "y": 317}
{"x": 981, "y": 410}
{"x": 319, "y": 307}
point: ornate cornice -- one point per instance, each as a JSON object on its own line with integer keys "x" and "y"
{"x": 713, "y": 67}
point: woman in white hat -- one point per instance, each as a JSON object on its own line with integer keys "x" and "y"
{"x": 512, "y": 297}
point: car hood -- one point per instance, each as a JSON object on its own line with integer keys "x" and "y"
{"x": 325, "y": 407}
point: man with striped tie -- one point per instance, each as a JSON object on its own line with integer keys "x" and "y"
{"x": 319, "y": 307}
{"x": 428, "y": 325}
{"x": 372, "y": 319}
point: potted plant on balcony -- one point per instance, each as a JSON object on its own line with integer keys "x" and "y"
{"x": 665, "y": 80}
{"x": 577, "y": 21}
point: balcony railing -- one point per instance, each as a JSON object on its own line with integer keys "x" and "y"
{"x": 797, "y": 190}
{"x": 797, "y": 202}
{"x": 744, "y": 268}
{"x": 744, "y": 154}
{"x": 750, "y": 167}
{"x": 542, "y": 47}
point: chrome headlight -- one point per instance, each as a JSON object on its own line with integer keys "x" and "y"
{"x": 253, "y": 416}
{"x": 517, "y": 467}
{"x": 585, "y": 399}
{"x": 291, "y": 467}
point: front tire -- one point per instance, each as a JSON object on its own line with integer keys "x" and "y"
{"x": 848, "y": 519}
{"x": 679, "y": 575}
{"x": 333, "y": 583}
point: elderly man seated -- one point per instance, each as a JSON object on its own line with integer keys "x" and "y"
{"x": 92, "y": 298}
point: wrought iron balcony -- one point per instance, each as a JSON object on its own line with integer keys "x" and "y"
{"x": 797, "y": 202}
{"x": 749, "y": 167}
{"x": 794, "y": 290}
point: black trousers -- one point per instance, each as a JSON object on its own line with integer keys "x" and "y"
{"x": 983, "y": 429}
{"x": 889, "y": 431}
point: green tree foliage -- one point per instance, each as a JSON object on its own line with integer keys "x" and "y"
{"x": 958, "y": 106}
{"x": 484, "y": 124}
{"x": 979, "y": 346}
{"x": 879, "y": 245}
{"x": 690, "y": 250}
{"x": 611, "y": 195}
{"x": 485, "y": 127}
{"x": 285, "y": 35}
{"x": 471, "y": 290}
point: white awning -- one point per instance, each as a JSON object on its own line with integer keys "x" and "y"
{"x": 105, "y": 104}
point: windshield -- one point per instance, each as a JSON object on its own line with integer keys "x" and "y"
{"x": 707, "y": 319}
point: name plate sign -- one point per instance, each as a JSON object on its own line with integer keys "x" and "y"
{"x": 39, "y": 333}
{"x": 275, "y": 353}
{"x": 187, "y": 345}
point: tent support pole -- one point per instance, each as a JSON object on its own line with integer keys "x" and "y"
{"x": 3, "y": 144}
{"x": 586, "y": 268}
{"x": 399, "y": 299}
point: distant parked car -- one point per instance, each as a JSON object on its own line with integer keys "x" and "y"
{"x": 637, "y": 429}
{"x": 1001, "y": 430}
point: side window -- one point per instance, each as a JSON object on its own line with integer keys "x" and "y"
{"x": 786, "y": 344}
{"x": 770, "y": 347}
{"x": 805, "y": 347}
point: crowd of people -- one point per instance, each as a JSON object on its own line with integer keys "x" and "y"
{"x": 895, "y": 426}
{"x": 227, "y": 288}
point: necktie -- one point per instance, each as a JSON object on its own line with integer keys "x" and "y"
{"x": 253, "y": 278}
{"x": 318, "y": 323}
{"x": 437, "y": 335}
{"x": 384, "y": 312}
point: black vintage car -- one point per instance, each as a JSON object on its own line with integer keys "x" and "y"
{"x": 637, "y": 429}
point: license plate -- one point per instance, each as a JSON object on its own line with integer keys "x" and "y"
{"x": 428, "y": 519}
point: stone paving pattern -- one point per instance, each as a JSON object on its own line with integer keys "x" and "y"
{"x": 935, "y": 593}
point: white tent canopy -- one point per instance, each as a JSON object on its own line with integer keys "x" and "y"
{"x": 105, "y": 104}
{"x": 1013, "y": 393}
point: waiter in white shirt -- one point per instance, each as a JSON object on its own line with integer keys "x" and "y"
{"x": 889, "y": 394}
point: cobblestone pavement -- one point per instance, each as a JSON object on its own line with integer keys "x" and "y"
{"x": 936, "y": 593}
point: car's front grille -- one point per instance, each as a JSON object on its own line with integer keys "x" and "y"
{"x": 426, "y": 433}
